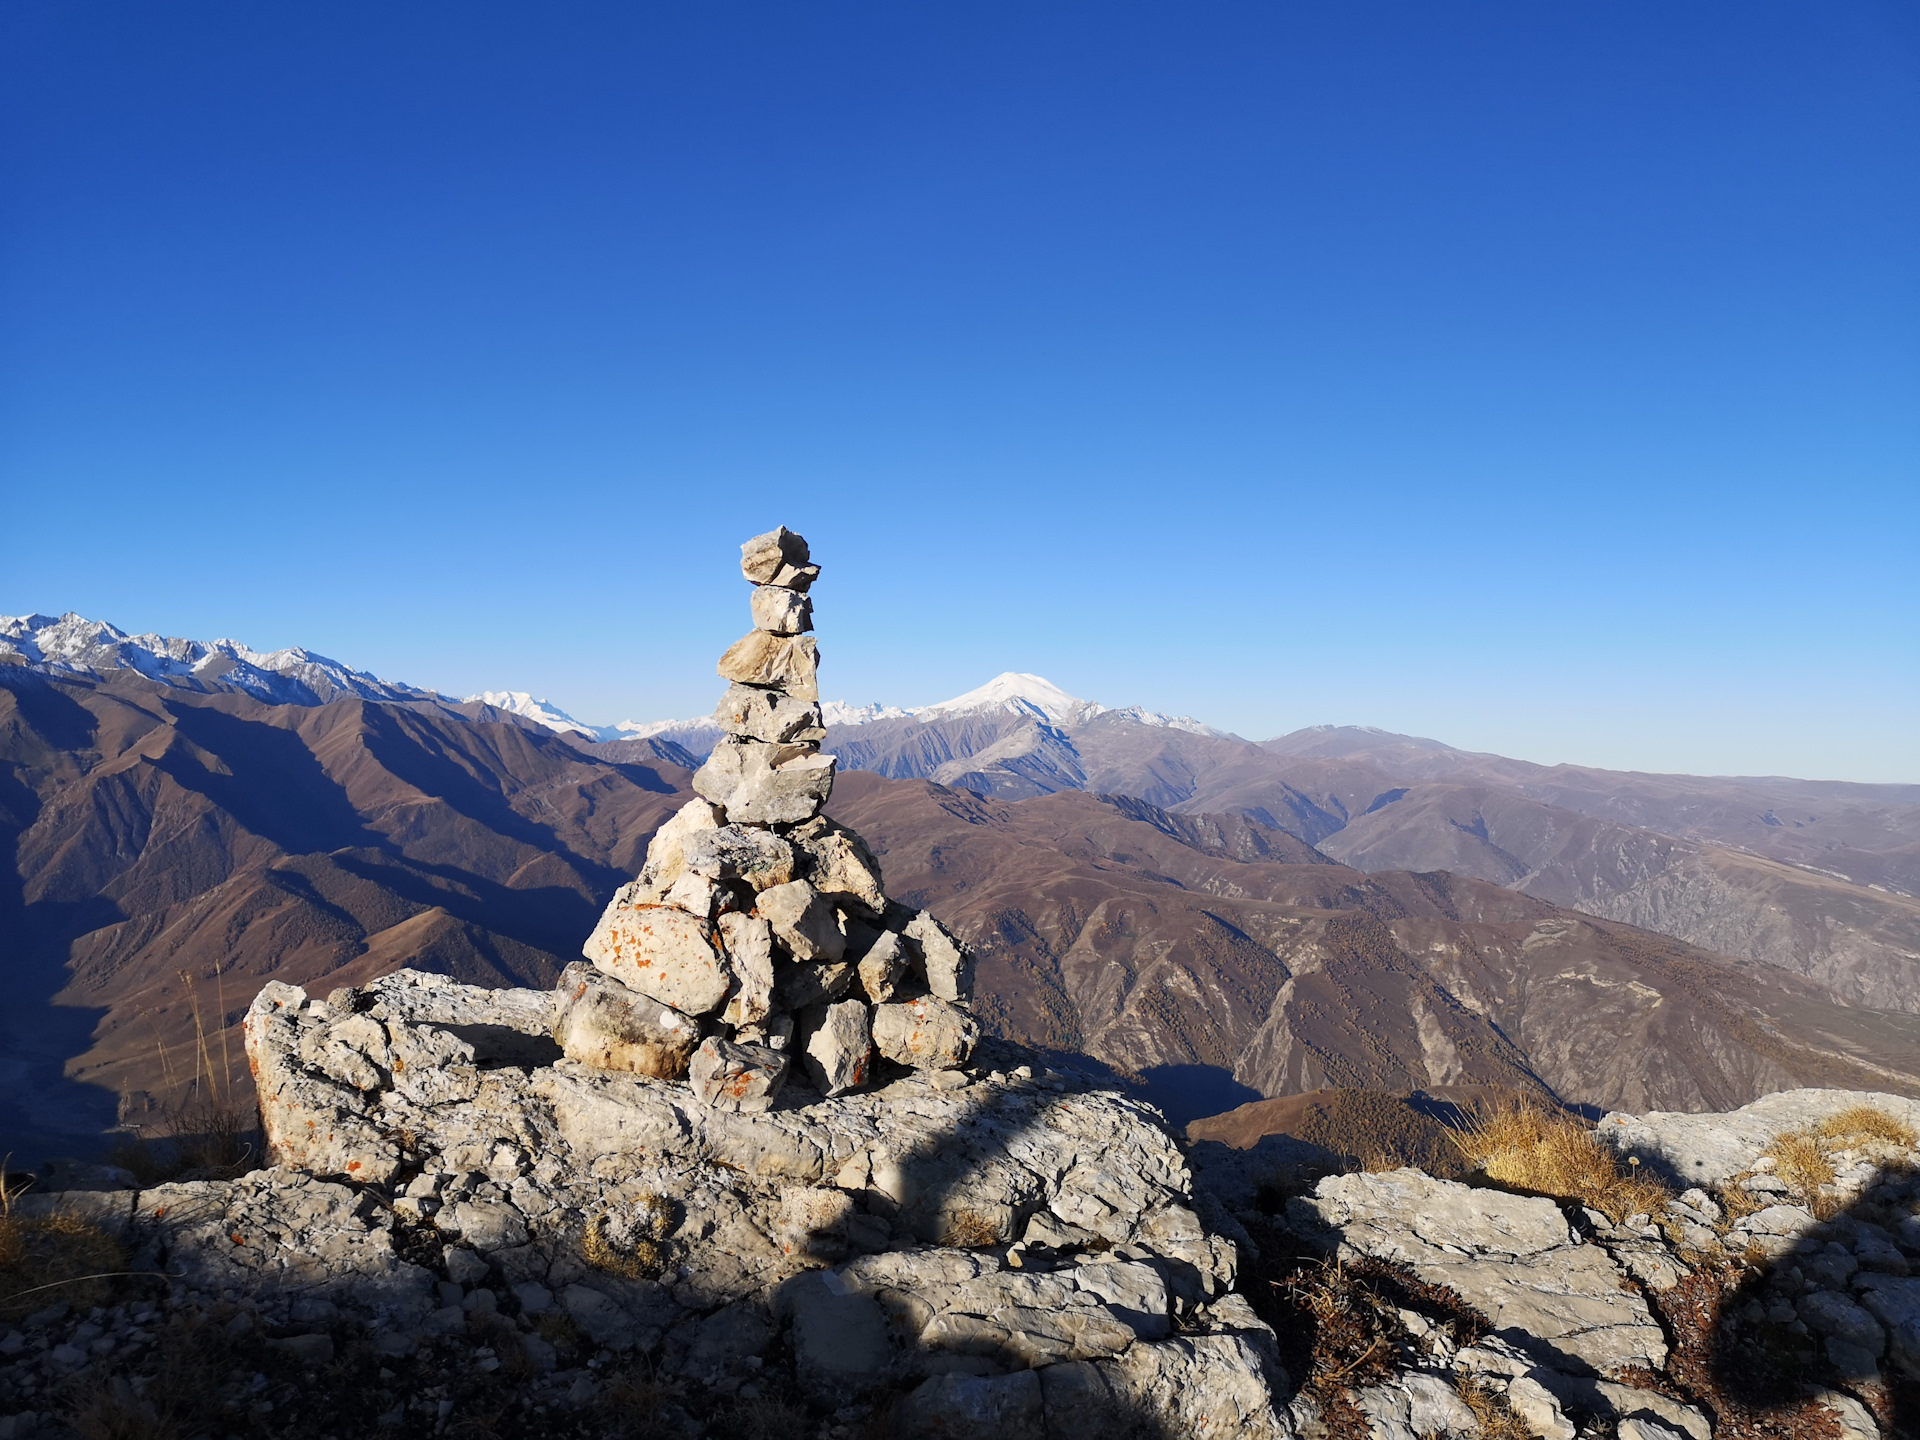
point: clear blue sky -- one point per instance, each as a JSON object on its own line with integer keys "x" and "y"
{"x": 1543, "y": 378}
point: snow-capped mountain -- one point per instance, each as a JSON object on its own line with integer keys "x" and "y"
{"x": 1012, "y": 692}
{"x": 292, "y": 676}
{"x": 295, "y": 676}
{"x": 519, "y": 702}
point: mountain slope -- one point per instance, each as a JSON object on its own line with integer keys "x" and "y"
{"x": 1101, "y": 928}
{"x": 155, "y": 830}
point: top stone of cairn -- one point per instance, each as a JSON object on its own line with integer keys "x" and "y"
{"x": 778, "y": 557}
{"x": 758, "y": 938}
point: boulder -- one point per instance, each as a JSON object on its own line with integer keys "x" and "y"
{"x": 666, "y": 857}
{"x": 602, "y": 1023}
{"x": 764, "y": 556}
{"x": 839, "y": 865}
{"x": 663, "y": 952}
{"x": 736, "y": 852}
{"x": 803, "y": 921}
{"x": 739, "y": 1078}
{"x": 883, "y": 964}
{"x": 839, "y": 1051}
{"x": 760, "y": 784}
{"x": 780, "y": 611}
{"x": 749, "y": 942}
{"x": 768, "y": 715}
{"x": 974, "y": 1407}
{"x": 947, "y": 966}
{"x": 780, "y": 662}
{"x": 801, "y": 983}
{"x": 312, "y": 1121}
{"x": 1512, "y": 1257}
{"x": 927, "y": 1033}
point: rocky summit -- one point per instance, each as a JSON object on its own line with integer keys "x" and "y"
{"x": 750, "y": 1169}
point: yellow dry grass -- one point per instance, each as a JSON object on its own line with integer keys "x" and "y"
{"x": 968, "y": 1230}
{"x": 1520, "y": 1147}
{"x": 1868, "y": 1122}
{"x": 50, "y": 1258}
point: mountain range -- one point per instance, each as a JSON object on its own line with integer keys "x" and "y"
{"x": 1224, "y": 918}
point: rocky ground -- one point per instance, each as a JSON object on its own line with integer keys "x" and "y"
{"x": 1001, "y": 1250}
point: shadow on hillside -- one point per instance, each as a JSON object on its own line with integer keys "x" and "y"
{"x": 1760, "y": 1342}
{"x": 653, "y": 1391}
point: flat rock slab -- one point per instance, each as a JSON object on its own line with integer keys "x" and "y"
{"x": 1513, "y": 1258}
{"x": 1708, "y": 1150}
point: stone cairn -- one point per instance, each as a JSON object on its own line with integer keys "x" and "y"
{"x": 758, "y": 932}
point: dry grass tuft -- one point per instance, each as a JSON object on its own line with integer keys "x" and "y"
{"x": 53, "y": 1258}
{"x": 1800, "y": 1159}
{"x": 1520, "y": 1147}
{"x": 968, "y": 1230}
{"x": 1490, "y": 1408}
{"x": 1868, "y": 1122}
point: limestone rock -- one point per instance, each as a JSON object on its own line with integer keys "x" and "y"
{"x": 1710, "y": 1149}
{"x": 666, "y": 852}
{"x": 663, "y": 952}
{"x": 883, "y": 963}
{"x": 780, "y": 611}
{"x": 839, "y": 1051}
{"x": 741, "y": 1078}
{"x": 790, "y": 663}
{"x": 1511, "y": 1257}
{"x": 763, "y": 557}
{"x": 948, "y": 968}
{"x": 840, "y": 866}
{"x": 976, "y": 1407}
{"x": 927, "y": 1034}
{"x": 602, "y": 1023}
{"x": 800, "y": 984}
{"x": 759, "y": 784}
{"x": 310, "y": 1120}
{"x": 749, "y": 943}
{"x": 735, "y": 852}
{"x": 803, "y": 921}
{"x": 768, "y": 715}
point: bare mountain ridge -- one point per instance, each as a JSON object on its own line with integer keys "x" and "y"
{"x": 1104, "y": 931}
{"x": 158, "y": 830}
{"x": 1777, "y": 871}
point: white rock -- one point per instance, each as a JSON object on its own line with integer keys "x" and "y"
{"x": 1513, "y": 1258}
{"x": 749, "y": 943}
{"x": 760, "y": 784}
{"x": 666, "y": 852}
{"x": 947, "y": 966}
{"x": 768, "y": 715}
{"x": 802, "y": 920}
{"x": 763, "y": 557}
{"x": 883, "y": 964}
{"x": 790, "y": 663}
{"x": 840, "y": 866}
{"x": 927, "y": 1033}
{"x": 974, "y": 1407}
{"x": 781, "y": 611}
{"x": 839, "y": 1051}
{"x": 1538, "y": 1406}
{"x": 740, "y": 1078}
{"x": 663, "y": 952}
{"x": 799, "y": 984}
{"x": 736, "y": 852}
{"x": 602, "y": 1023}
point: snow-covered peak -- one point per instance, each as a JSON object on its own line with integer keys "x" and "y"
{"x": 836, "y": 712}
{"x": 291, "y": 676}
{"x": 519, "y": 702}
{"x": 1164, "y": 722}
{"x": 1016, "y": 692}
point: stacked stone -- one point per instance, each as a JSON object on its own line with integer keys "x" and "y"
{"x": 758, "y": 932}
